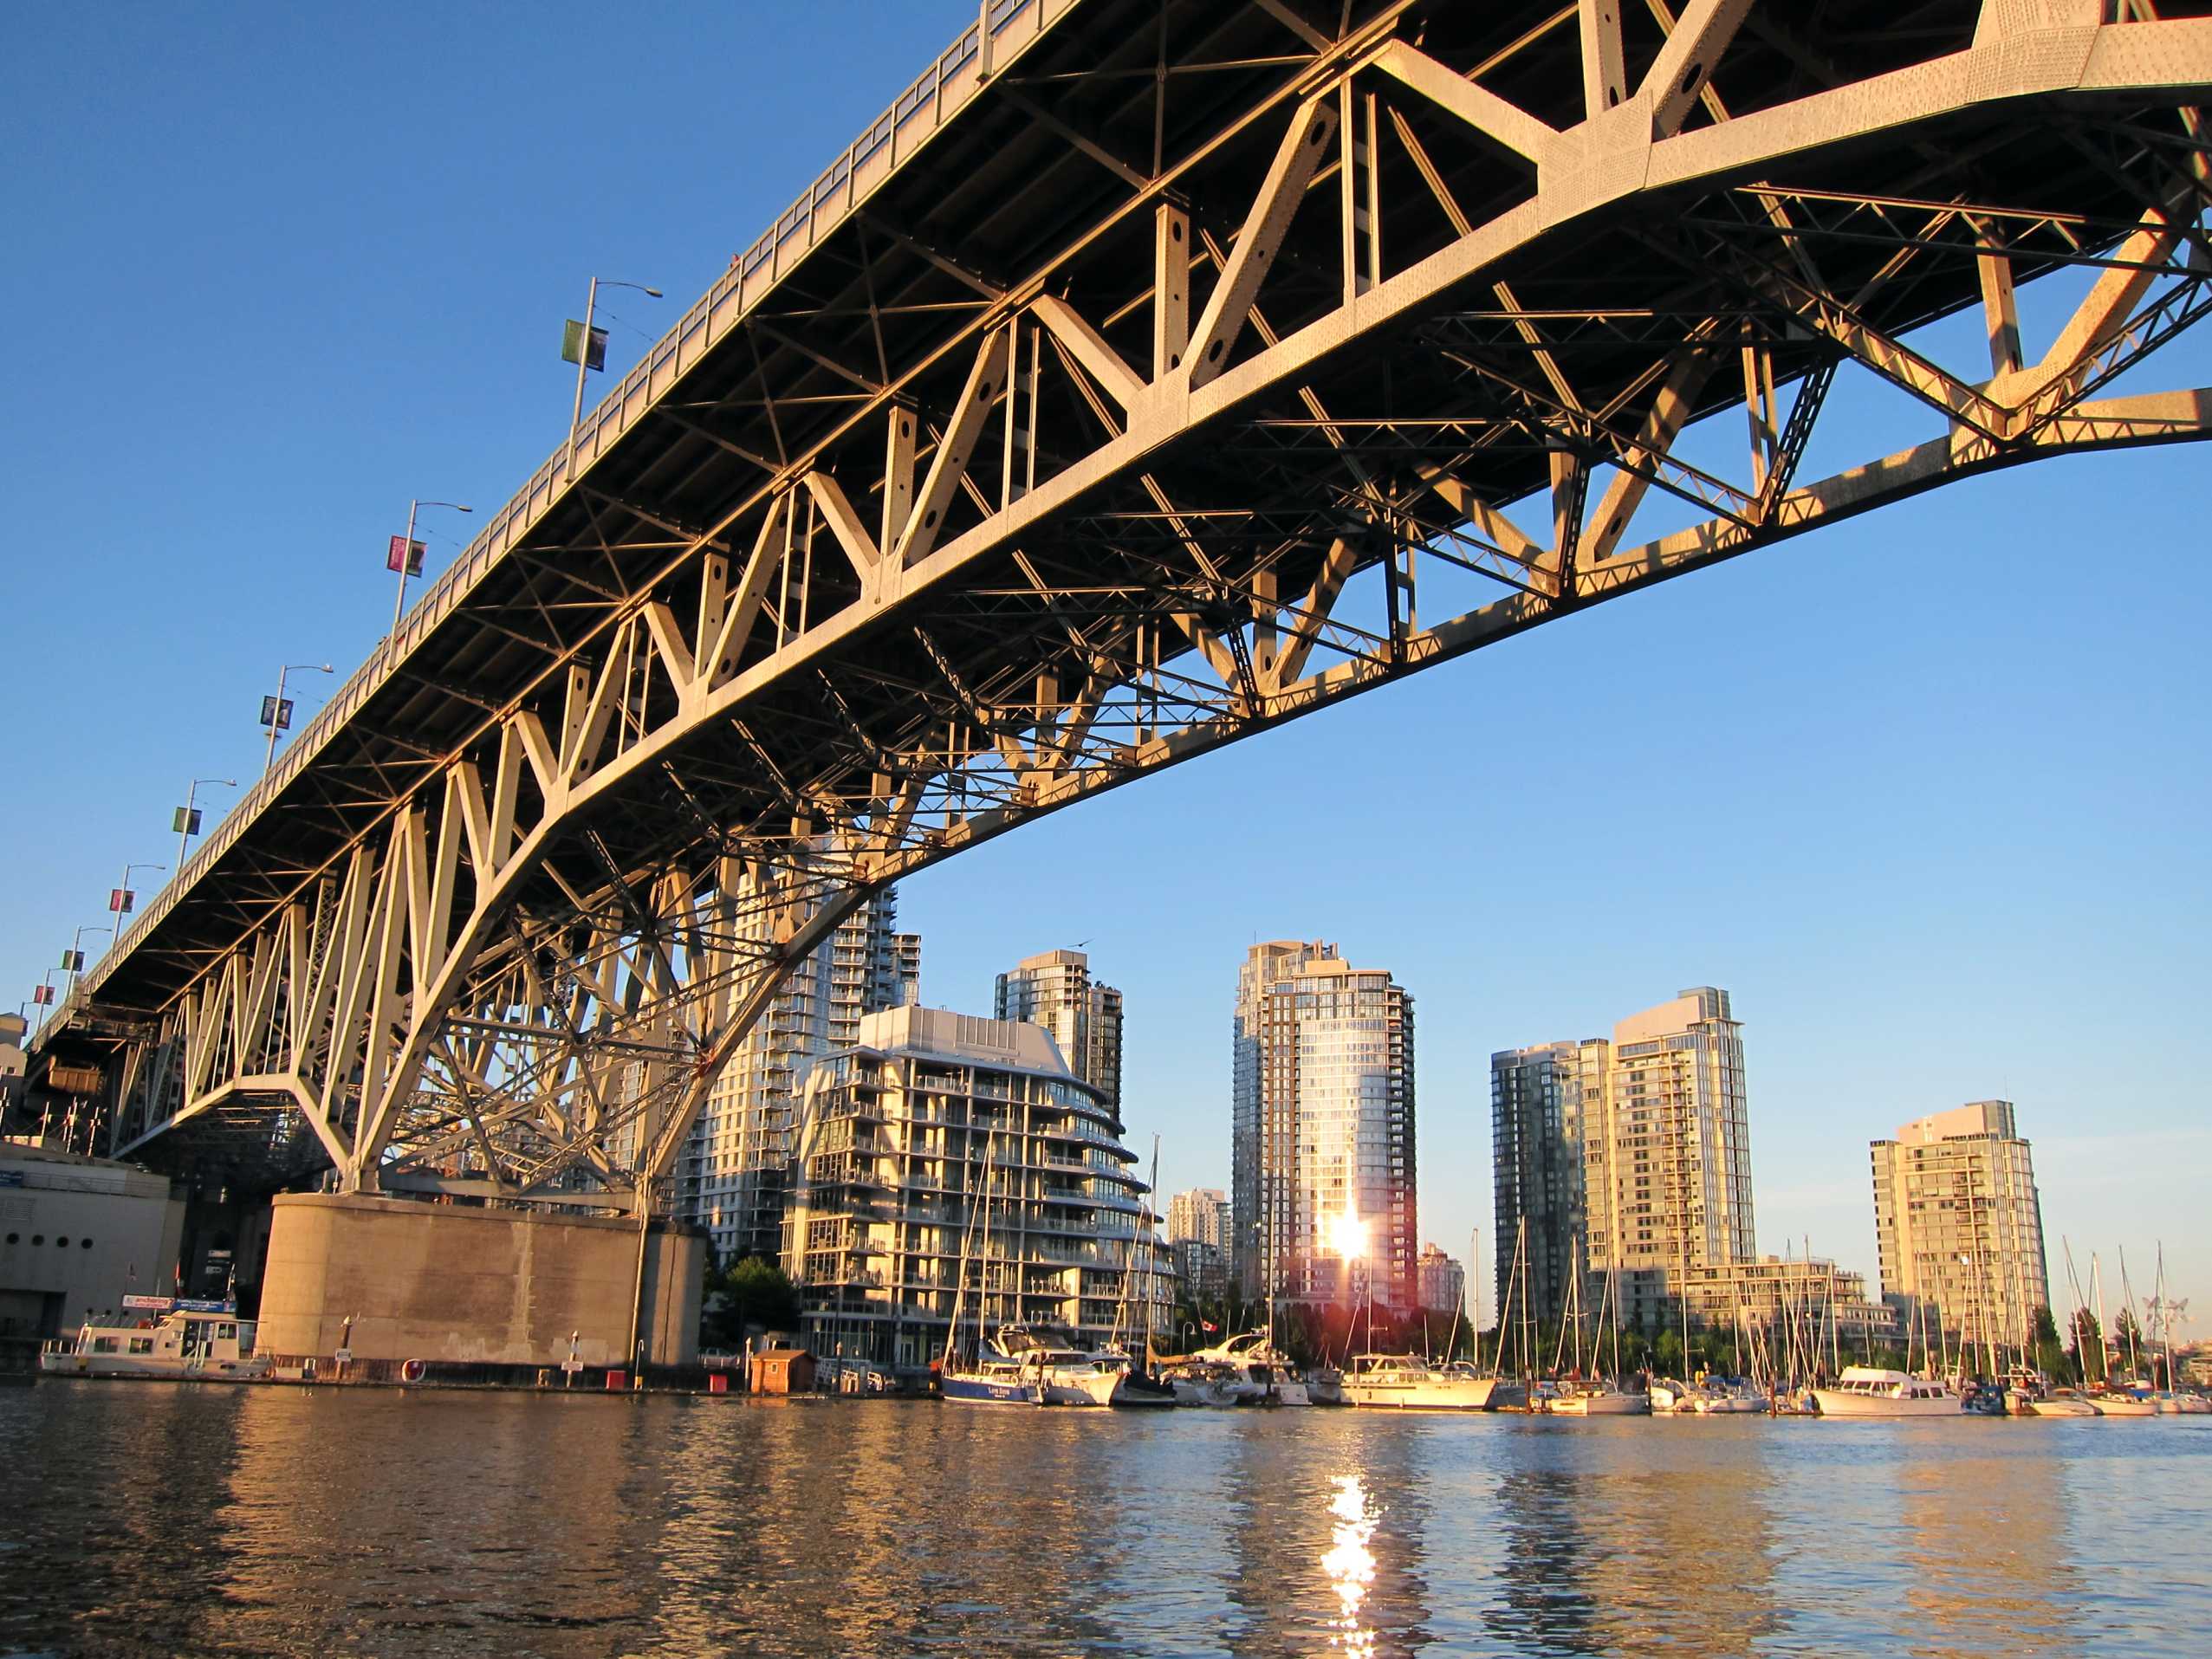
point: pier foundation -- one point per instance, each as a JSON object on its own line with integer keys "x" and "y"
{"x": 454, "y": 1285}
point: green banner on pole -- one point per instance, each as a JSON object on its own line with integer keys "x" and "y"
{"x": 572, "y": 344}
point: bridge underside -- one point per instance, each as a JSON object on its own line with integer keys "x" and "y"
{"x": 1211, "y": 365}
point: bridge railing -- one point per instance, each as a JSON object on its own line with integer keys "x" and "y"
{"x": 920, "y": 110}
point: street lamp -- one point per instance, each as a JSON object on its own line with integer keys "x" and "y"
{"x": 186, "y": 822}
{"x": 73, "y": 959}
{"x": 276, "y": 712}
{"x": 586, "y": 348}
{"x": 406, "y": 555}
{"x": 121, "y": 899}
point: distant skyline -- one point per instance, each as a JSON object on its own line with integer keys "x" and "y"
{"x": 1924, "y": 791}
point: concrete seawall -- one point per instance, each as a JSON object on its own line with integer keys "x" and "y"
{"x": 451, "y": 1284}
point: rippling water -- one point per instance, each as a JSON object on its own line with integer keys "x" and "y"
{"x": 204, "y": 1520}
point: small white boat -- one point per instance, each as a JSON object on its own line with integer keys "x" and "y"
{"x": 2059, "y": 1402}
{"x": 1872, "y": 1392}
{"x": 184, "y": 1346}
{"x": 2191, "y": 1405}
{"x": 1598, "y": 1400}
{"x": 1400, "y": 1382}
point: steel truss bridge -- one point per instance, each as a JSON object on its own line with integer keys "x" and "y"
{"x": 1152, "y": 372}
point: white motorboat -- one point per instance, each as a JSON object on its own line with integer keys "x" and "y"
{"x": 1721, "y": 1396}
{"x": 1247, "y": 1370}
{"x": 2179, "y": 1404}
{"x": 1400, "y": 1382}
{"x": 2119, "y": 1403}
{"x": 1598, "y": 1400}
{"x": 185, "y": 1344}
{"x": 1066, "y": 1375}
{"x": 1870, "y": 1391}
{"x": 2059, "y": 1402}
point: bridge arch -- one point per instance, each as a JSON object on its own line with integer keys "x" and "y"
{"x": 925, "y": 539}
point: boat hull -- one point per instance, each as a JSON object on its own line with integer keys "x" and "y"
{"x": 1601, "y": 1405}
{"x": 1834, "y": 1403}
{"x": 983, "y": 1390}
{"x": 2059, "y": 1409}
{"x": 1434, "y": 1394}
{"x": 155, "y": 1369}
{"x": 2123, "y": 1408}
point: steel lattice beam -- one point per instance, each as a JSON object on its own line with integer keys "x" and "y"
{"x": 935, "y": 533}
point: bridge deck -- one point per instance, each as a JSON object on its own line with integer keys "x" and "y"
{"x": 1472, "y": 292}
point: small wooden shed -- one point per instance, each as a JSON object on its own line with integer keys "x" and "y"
{"x": 781, "y": 1371}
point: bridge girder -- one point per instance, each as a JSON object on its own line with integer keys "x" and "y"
{"x": 942, "y": 537}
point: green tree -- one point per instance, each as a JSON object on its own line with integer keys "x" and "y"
{"x": 2127, "y": 1336}
{"x": 752, "y": 1293}
{"x": 2050, "y": 1352}
{"x": 2088, "y": 1347}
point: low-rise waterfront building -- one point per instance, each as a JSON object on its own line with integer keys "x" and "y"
{"x": 77, "y": 1235}
{"x": 940, "y": 1140}
{"x": 1769, "y": 1293}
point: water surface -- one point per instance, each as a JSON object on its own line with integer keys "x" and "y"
{"x": 162, "y": 1519}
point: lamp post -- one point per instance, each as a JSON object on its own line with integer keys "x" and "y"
{"x": 276, "y": 713}
{"x": 73, "y": 959}
{"x": 122, "y": 898}
{"x": 584, "y": 355}
{"x": 406, "y": 558}
{"x": 186, "y": 822}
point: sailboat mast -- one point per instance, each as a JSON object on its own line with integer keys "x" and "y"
{"x": 2127, "y": 1301}
{"x": 2097, "y": 1289}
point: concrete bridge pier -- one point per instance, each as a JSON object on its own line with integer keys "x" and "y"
{"x": 458, "y": 1284}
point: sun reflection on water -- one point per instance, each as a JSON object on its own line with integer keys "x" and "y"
{"x": 1350, "y": 1565}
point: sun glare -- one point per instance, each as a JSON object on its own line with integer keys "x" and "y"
{"x": 1347, "y": 1236}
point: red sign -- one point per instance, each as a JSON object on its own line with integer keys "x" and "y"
{"x": 403, "y": 552}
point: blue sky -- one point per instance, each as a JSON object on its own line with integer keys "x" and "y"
{"x": 1926, "y": 791}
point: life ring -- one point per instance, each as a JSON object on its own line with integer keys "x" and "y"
{"x": 412, "y": 1371}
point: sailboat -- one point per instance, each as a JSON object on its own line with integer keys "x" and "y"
{"x": 995, "y": 1378}
{"x": 1596, "y": 1396}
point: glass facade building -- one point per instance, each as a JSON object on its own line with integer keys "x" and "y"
{"x": 1322, "y": 1168}
{"x": 730, "y": 1179}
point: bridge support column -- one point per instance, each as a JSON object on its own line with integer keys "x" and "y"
{"x": 453, "y": 1284}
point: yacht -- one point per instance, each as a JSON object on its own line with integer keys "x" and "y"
{"x": 2059, "y": 1402}
{"x": 185, "y": 1344}
{"x": 1403, "y": 1382}
{"x": 1247, "y": 1370}
{"x": 2182, "y": 1404}
{"x": 1870, "y": 1391}
{"x": 1065, "y": 1374}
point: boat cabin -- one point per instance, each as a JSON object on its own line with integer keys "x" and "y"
{"x": 1879, "y": 1384}
{"x": 184, "y": 1343}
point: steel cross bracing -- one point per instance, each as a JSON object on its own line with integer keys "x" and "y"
{"x": 1169, "y": 392}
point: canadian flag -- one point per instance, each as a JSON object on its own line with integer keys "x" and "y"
{"x": 1208, "y": 1325}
